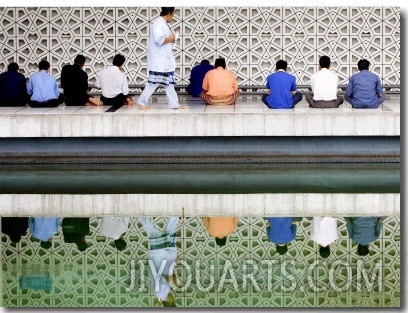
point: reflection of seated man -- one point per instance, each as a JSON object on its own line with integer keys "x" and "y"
{"x": 114, "y": 227}
{"x": 43, "y": 228}
{"x": 324, "y": 233}
{"x": 197, "y": 77}
{"x": 220, "y": 228}
{"x": 162, "y": 250}
{"x": 75, "y": 230}
{"x": 14, "y": 227}
{"x": 220, "y": 85}
{"x": 281, "y": 230}
{"x": 364, "y": 230}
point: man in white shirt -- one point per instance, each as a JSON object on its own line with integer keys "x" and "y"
{"x": 324, "y": 233}
{"x": 160, "y": 61}
{"x": 114, "y": 85}
{"x": 324, "y": 87}
{"x": 114, "y": 227}
{"x": 162, "y": 255}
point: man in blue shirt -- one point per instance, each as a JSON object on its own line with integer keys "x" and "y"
{"x": 43, "y": 88}
{"x": 364, "y": 230}
{"x": 13, "y": 87}
{"x": 281, "y": 230}
{"x": 364, "y": 90}
{"x": 197, "y": 77}
{"x": 43, "y": 228}
{"x": 281, "y": 89}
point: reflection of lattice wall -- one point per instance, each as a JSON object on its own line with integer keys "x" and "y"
{"x": 100, "y": 276}
{"x": 251, "y": 38}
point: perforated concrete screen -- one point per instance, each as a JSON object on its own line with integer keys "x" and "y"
{"x": 252, "y": 39}
{"x": 209, "y": 275}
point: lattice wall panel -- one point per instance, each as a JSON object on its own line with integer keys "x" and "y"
{"x": 251, "y": 38}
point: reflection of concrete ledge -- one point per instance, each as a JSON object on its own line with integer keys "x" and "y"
{"x": 249, "y": 117}
{"x": 201, "y": 205}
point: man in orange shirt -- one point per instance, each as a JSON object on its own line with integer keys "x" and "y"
{"x": 220, "y": 227}
{"x": 220, "y": 86}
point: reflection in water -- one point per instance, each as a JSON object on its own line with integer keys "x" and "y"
{"x": 220, "y": 227}
{"x": 246, "y": 271}
{"x": 14, "y": 227}
{"x": 114, "y": 227}
{"x": 364, "y": 230}
{"x": 43, "y": 228}
{"x": 324, "y": 232}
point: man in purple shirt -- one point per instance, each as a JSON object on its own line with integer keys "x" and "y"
{"x": 281, "y": 89}
{"x": 197, "y": 77}
{"x": 43, "y": 88}
{"x": 364, "y": 90}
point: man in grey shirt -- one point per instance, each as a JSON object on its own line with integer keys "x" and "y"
{"x": 364, "y": 90}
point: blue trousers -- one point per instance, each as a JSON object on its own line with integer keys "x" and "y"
{"x": 297, "y": 97}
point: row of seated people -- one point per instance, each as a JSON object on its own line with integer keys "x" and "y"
{"x": 279, "y": 230}
{"x": 162, "y": 252}
{"x": 215, "y": 85}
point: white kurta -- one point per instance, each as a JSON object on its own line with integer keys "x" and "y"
{"x": 113, "y": 226}
{"x": 324, "y": 85}
{"x": 324, "y": 230}
{"x": 160, "y": 57}
{"x": 112, "y": 81}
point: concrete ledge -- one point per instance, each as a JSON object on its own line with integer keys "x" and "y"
{"x": 249, "y": 117}
{"x": 309, "y": 204}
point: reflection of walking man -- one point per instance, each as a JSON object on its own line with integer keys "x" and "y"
{"x": 160, "y": 61}
{"x": 163, "y": 253}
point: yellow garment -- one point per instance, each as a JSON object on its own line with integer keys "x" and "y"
{"x": 220, "y": 227}
{"x": 220, "y": 82}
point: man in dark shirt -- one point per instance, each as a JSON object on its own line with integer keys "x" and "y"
{"x": 364, "y": 90}
{"x": 74, "y": 230}
{"x": 197, "y": 77}
{"x": 74, "y": 81}
{"x": 13, "y": 87}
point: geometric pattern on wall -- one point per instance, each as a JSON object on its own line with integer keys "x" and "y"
{"x": 100, "y": 276}
{"x": 252, "y": 39}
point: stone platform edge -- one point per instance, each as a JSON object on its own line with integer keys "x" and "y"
{"x": 308, "y": 204}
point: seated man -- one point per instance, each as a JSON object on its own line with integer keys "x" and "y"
{"x": 364, "y": 230}
{"x": 364, "y": 90}
{"x": 324, "y": 87}
{"x": 114, "y": 85}
{"x": 197, "y": 77}
{"x": 74, "y": 81}
{"x": 324, "y": 233}
{"x": 43, "y": 88}
{"x": 13, "y": 87}
{"x": 220, "y": 85}
{"x": 43, "y": 228}
{"x": 281, "y": 89}
{"x": 220, "y": 227}
{"x": 281, "y": 231}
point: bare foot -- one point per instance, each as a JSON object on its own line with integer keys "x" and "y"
{"x": 181, "y": 107}
{"x": 129, "y": 102}
{"x": 143, "y": 107}
{"x": 94, "y": 101}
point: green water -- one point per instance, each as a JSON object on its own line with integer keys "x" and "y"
{"x": 102, "y": 276}
{"x": 207, "y": 178}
